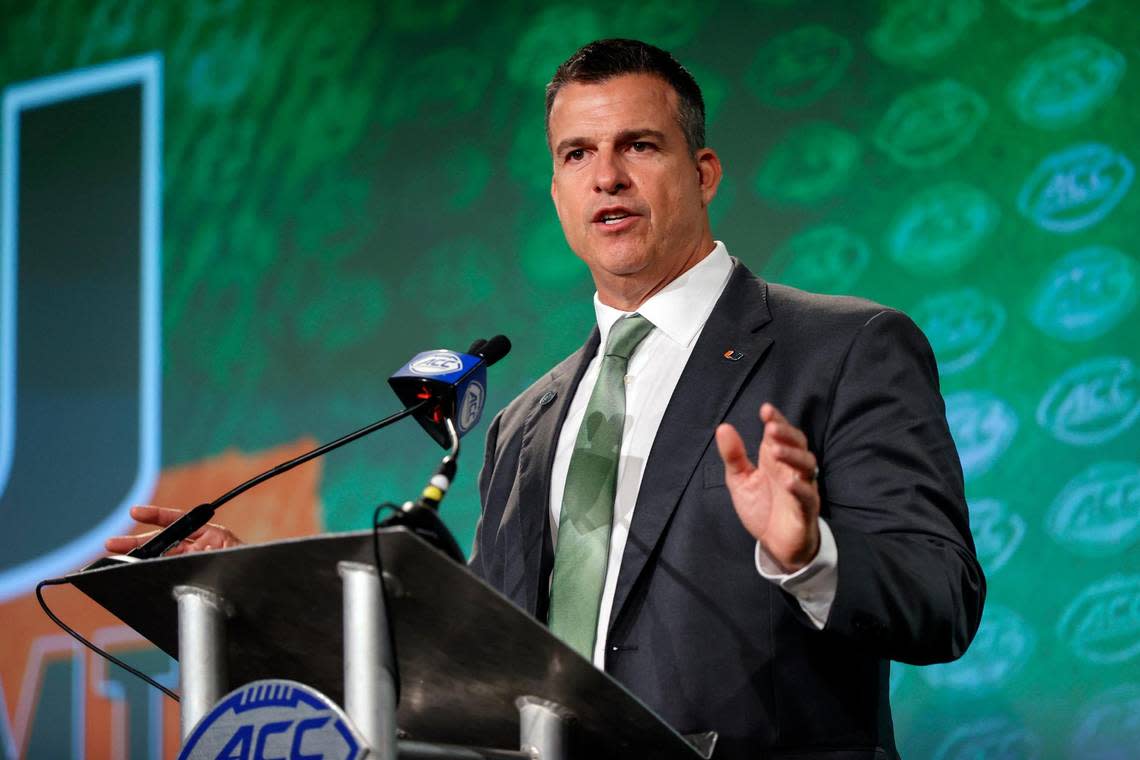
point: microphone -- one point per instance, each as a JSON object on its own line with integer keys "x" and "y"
{"x": 454, "y": 388}
{"x": 453, "y": 384}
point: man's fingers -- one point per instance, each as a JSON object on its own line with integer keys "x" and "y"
{"x": 800, "y": 460}
{"x": 160, "y": 516}
{"x": 769, "y": 413}
{"x": 732, "y": 453}
{"x": 123, "y": 544}
{"x": 785, "y": 433}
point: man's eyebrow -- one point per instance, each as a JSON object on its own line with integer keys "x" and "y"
{"x": 623, "y": 137}
{"x": 633, "y": 135}
{"x": 568, "y": 144}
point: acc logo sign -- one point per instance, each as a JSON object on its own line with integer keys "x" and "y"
{"x": 809, "y": 165}
{"x": 961, "y": 326}
{"x": 983, "y": 427}
{"x": 797, "y": 68}
{"x": 437, "y": 363}
{"x": 1063, "y": 83}
{"x": 274, "y": 718}
{"x": 1085, "y": 294}
{"x": 1102, "y": 625}
{"x": 1003, "y": 645}
{"x": 1108, "y": 724}
{"x": 1092, "y": 402}
{"x": 471, "y": 405}
{"x": 916, "y": 30}
{"x": 997, "y": 532}
{"x": 930, "y": 125}
{"x": 1098, "y": 512}
{"x": 1075, "y": 188}
{"x": 1044, "y": 11}
{"x": 827, "y": 259}
{"x": 942, "y": 228}
{"x": 989, "y": 738}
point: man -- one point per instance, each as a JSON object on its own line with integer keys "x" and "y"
{"x": 763, "y": 600}
{"x": 758, "y": 592}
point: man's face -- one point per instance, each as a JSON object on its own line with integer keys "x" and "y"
{"x": 631, "y": 196}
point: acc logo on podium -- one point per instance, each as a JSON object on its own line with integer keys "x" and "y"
{"x": 274, "y": 719}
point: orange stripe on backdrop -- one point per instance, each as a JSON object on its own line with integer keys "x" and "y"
{"x": 285, "y": 507}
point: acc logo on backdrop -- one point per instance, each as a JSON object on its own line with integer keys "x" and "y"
{"x": 1064, "y": 82}
{"x": 916, "y": 30}
{"x": 941, "y": 228}
{"x": 983, "y": 426}
{"x": 1092, "y": 402}
{"x": 1085, "y": 293}
{"x": 1075, "y": 188}
{"x": 997, "y": 532}
{"x": 931, "y": 124}
{"x": 1102, "y": 625}
{"x": 995, "y": 737}
{"x": 961, "y": 326}
{"x": 1108, "y": 724}
{"x": 797, "y": 68}
{"x": 1098, "y": 511}
{"x": 825, "y": 259}
{"x": 1002, "y": 646}
{"x": 274, "y": 718}
{"x": 810, "y": 164}
{"x": 1044, "y": 11}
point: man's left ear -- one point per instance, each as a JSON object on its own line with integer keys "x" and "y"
{"x": 709, "y": 173}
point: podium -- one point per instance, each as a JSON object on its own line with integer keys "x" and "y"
{"x": 477, "y": 677}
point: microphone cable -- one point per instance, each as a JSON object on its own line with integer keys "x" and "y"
{"x": 90, "y": 645}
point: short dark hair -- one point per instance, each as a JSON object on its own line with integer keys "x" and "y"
{"x": 605, "y": 59}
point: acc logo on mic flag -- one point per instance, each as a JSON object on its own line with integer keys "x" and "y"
{"x": 436, "y": 363}
{"x": 471, "y": 405}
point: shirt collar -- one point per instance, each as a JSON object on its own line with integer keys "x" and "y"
{"x": 682, "y": 307}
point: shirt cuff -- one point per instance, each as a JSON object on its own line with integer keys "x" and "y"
{"x": 814, "y": 584}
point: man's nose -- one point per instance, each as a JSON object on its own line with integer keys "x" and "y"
{"x": 610, "y": 175}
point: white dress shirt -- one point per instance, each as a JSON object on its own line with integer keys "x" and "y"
{"x": 679, "y": 312}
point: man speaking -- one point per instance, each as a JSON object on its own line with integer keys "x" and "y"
{"x": 740, "y": 499}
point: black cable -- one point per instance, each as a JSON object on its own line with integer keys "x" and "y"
{"x": 319, "y": 451}
{"x": 78, "y": 637}
{"x": 195, "y": 518}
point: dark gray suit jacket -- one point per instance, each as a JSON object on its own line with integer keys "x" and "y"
{"x": 695, "y": 632}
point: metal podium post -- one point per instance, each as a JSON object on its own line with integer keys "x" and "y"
{"x": 201, "y": 652}
{"x": 369, "y": 686}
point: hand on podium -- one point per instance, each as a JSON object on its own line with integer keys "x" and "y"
{"x": 208, "y": 537}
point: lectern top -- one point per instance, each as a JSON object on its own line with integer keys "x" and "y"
{"x": 465, "y": 653}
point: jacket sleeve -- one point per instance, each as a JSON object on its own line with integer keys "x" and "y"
{"x": 909, "y": 584}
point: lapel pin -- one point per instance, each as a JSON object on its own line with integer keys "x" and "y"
{"x": 547, "y": 398}
{"x": 733, "y": 355}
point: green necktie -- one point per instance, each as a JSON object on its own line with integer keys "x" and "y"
{"x": 588, "y": 501}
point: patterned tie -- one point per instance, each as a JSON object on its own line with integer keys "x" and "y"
{"x": 588, "y": 501}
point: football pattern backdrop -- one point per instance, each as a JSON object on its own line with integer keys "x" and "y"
{"x": 336, "y": 187}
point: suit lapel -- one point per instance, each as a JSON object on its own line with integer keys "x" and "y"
{"x": 708, "y": 386}
{"x": 536, "y": 460}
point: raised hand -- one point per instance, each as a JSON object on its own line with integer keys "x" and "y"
{"x": 209, "y": 536}
{"x": 777, "y": 499}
